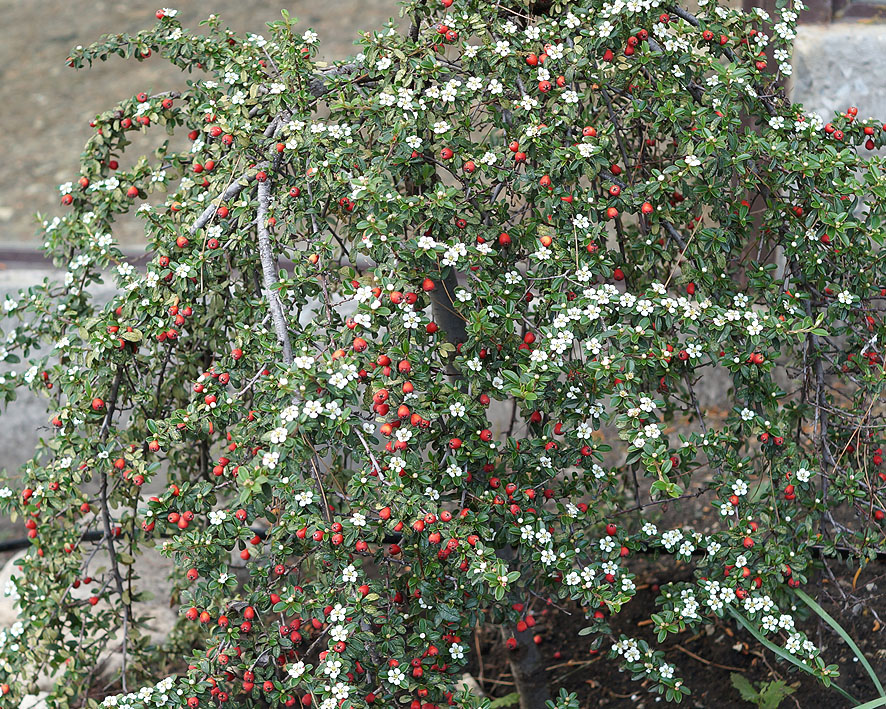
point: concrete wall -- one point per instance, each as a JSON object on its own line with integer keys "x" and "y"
{"x": 45, "y": 106}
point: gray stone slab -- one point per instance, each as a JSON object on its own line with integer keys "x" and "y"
{"x": 841, "y": 65}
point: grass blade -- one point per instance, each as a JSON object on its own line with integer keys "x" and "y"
{"x": 781, "y": 652}
{"x": 881, "y": 702}
{"x": 823, "y": 614}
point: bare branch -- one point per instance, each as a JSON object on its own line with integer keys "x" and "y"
{"x": 269, "y": 271}
{"x": 234, "y": 189}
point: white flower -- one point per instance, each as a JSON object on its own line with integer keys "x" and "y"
{"x": 580, "y": 221}
{"x": 312, "y": 409}
{"x": 803, "y": 474}
{"x": 793, "y": 643}
{"x": 332, "y": 668}
{"x": 645, "y": 307}
{"x": 183, "y": 270}
{"x": 340, "y": 692}
{"x": 527, "y": 103}
{"x": 278, "y": 435}
{"x": 296, "y": 669}
{"x": 411, "y": 320}
{"x": 457, "y": 409}
{"x": 270, "y": 459}
{"x": 555, "y": 51}
{"x": 502, "y": 48}
{"x": 396, "y": 676}
{"x": 453, "y": 471}
{"x": 845, "y": 297}
{"x": 475, "y": 83}
{"x": 692, "y": 161}
{"x": 474, "y": 364}
{"x": 651, "y": 431}
{"x": 671, "y": 537}
{"x": 309, "y": 37}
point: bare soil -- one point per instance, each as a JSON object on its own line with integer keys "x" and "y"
{"x": 706, "y": 659}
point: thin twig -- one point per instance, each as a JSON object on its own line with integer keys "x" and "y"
{"x": 106, "y": 520}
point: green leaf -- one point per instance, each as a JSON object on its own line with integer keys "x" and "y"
{"x": 773, "y": 693}
{"x": 509, "y": 700}
{"x": 825, "y": 616}
{"x": 747, "y": 690}
{"x": 448, "y": 613}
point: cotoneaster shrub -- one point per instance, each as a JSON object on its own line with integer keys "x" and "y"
{"x": 418, "y": 344}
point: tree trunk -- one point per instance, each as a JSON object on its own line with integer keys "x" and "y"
{"x": 530, "y": 677}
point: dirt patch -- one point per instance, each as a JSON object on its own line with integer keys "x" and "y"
{"x": 706, "y": 659}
